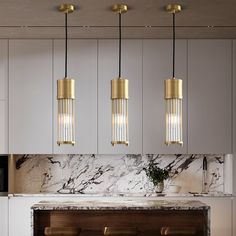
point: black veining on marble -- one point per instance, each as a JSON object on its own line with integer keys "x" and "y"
{"x": 22, "y": 160}
{"x": 73, "y": 188}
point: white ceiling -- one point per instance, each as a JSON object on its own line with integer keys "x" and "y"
{"x": 94, "y": 19}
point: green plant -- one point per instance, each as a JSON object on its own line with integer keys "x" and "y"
{"x": 156, "y": 174}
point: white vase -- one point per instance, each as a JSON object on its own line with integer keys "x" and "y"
{"x": 159, "y": 187}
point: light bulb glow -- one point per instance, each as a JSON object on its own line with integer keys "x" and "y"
{"x": 174, "y": 121}
{"x": 65, "y": 129}
{"x": 120, "y": 121}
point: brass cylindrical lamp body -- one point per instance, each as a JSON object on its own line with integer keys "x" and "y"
{"x": 174, "y": 110}
{"x": 66, "y": 112}
{"x": 119, "y": 97}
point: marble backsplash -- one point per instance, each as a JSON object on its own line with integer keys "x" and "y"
{"x": 113, "y": 174}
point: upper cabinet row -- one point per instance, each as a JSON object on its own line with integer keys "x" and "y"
{"x": 30, "y": 100}
{"x": 206, "y": 69}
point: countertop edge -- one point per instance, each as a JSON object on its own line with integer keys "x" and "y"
{"x": 110, "y": 204}
{"x": 119, "y": 196}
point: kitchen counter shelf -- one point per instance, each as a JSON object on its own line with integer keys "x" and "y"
{"x": 151, "y": 195}
{"x": 121, "y": 205}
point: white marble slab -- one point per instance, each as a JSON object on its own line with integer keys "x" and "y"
{"x": 113, "y": 175}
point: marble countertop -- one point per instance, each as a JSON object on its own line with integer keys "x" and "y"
{"x": 151, "y": 195}
{"x": 128, "y": 204}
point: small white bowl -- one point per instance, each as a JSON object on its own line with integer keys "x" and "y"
{"x": 172, "y": 188}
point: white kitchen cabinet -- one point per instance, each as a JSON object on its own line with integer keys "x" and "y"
{"x": 3, "y": 69}
{"x": 220, "y": 213}
{"x": 30, "y": 96}
{"x": 234, "y": 96}
{"x": 209, "y": 96}
{"x": 157, "y": 66}
{"x": 82, "y": 67}
{"x": 234, "y": 216}
{"x": 108, "y": 70}
{"x": 3, "y": 127}
{"x": 4, "y": 216}
{"x": 20, "y": 218}
{"x": 4, "y": 96}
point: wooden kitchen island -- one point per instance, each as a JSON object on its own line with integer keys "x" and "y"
{"x": 121, "y": 218}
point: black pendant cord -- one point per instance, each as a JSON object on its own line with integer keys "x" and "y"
{"x": 119, "y": 45}
{"x": 66, "y": 39}
{"x": 173, "y": 45}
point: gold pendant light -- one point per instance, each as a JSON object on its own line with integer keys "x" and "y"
{"x": 119, "y": 95}
{"x": 66, "y": 95}
{"x": 174, "y": 95}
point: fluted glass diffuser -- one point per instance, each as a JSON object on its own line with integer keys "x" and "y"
{"x": 174, "y": 98}
{"x": 66, "y": 110}
{"x": 119, "y": 96}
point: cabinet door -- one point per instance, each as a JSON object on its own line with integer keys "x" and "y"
{"x": 20, "y": 215}
{"x": 30, "y": 96}
{"x": 20, "y": 218}
{"x": 157, "y": 66}
{"x": 3, "y": 69}
{"x": 4, "y": 96}
{"x": 234, "y": 96}
{"x": 82, "y": 67}
{"x": 234, "y": 216}
{"x": 221, "y": 215}
{"x": 108, "y": 70}
{"x": 4, "y": 216}
{"x": 209, "y": 96}
{"x": 3, "y": 127}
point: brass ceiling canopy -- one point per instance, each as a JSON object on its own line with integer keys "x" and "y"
{"x": 120, "y": 8}
{"x": 66, "y": 8}
{"x": 173, "y": 8}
